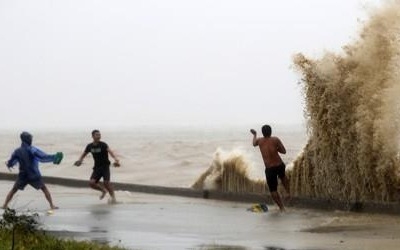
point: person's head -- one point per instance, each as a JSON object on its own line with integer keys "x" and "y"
{"x": 266, "y": 130}
{"x": 96, "y": 135}
{"x": 26, "y": 137}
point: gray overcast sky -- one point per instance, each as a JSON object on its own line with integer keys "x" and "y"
{"x": 99, "y": 63}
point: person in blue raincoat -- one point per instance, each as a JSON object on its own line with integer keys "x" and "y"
{"x": 28, "y": 158}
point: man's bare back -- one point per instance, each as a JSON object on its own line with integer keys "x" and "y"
{"x": 270, "y": 148}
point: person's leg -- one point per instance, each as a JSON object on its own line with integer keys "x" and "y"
{"x": 48, "y": 197}
{"x": 9, "y": 197}
{"x": 110, "y": 190}
{"x": 38, "y": 184}
{"x": 107, "y": 184}
{"x": 272, "y": 181}
{"x": 94, "y": 183}
{"x": 96, "y": 186}
{"x": 285, "y": 180}
{"x": 286, "y": 185}
{"x": 277, "y": 198}
{"x": 19, "y": 184}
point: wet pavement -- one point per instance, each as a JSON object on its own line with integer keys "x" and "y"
{"x": 144, "y": 221}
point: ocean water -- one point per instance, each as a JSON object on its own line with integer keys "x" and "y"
{"x": 352, "y": 108}
{"x": 167, "y": 156}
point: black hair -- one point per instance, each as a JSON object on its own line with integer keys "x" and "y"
{"x": 266, "y": 130}
{"x": 95, "y": 131}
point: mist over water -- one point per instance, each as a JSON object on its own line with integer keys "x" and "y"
{"x": 352, "y": 110}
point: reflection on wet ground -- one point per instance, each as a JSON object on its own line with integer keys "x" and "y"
{"x": 99, "y": 233}
{"x": 342, "y": 228}
{"x": 279, "y": 248}
{"x": 180, "y": 226}
{"x": 219, "y": 247}
{"x": 142, "y": 221}
{"x": 228, "y": 247}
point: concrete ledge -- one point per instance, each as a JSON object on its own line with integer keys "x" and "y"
{"x": 299, "y": 202}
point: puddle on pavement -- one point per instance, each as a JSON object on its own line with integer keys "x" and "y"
{"x": 229, "y": 247}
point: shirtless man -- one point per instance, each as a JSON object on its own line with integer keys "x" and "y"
{"x": 270, "y": 147}
{"x": 101, "y": 169}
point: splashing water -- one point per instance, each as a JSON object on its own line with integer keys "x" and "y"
{"x": 229, "y": 173}
{"x": 352, "y": 110}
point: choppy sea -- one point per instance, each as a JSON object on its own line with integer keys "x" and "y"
{"x": 162, "y": 156}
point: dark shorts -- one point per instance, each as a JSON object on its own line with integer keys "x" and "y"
{"x": 21, "y": 183}
{"x": 272, "y": 174}
{"x": 101, "y": 172}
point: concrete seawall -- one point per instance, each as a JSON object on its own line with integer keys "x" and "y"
{"x": 299, "y": 202}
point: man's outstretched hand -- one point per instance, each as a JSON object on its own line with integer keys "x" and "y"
{"x": 77, "y": 163}
{"x": 253, "y": 131}
{"x": 9, "y": 168}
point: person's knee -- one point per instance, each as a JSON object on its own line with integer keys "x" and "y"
{"x": 274, "y": 193}
{"x": 284, "y": 180}
{"x": 92, "y": 183}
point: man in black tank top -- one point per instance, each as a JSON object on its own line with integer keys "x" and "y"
{"x": 101, "y": 169}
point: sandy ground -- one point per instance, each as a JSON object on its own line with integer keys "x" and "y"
{"x": 143, "y": 221}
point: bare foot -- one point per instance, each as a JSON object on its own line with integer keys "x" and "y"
{"x": 112, "y": 200}
{"x": 103, "y": 194}
{"x": 54, "y": 207}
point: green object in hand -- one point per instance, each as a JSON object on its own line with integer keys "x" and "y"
{"x": 58, "y": 158}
